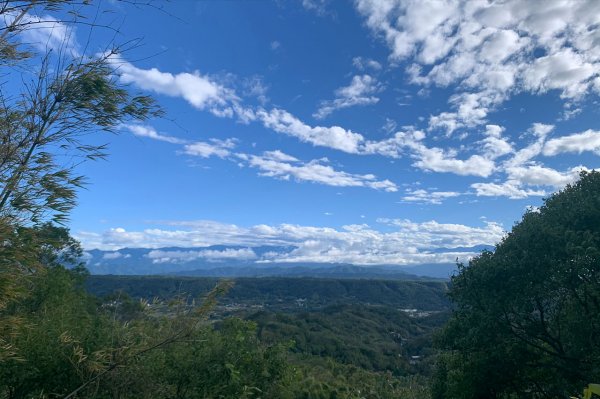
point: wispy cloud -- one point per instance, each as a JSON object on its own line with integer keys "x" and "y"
{"x": 360, "y": 91}
{"x": 45, "y": 33}
{"x": 150, "y": 132}
{"x": 335, "y": 137}
{"x": 363, "y": 64}
{"x": 210, "y": 255}
{"x": 215, "y": 147}
{"x": 421, "y": 196}
{"x": 283, "y": 166}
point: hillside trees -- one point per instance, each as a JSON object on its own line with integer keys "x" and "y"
{"x": 52, "y": 95}
{"x": 527, "y": 318}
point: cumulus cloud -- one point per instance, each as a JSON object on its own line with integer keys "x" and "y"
{"x": 488, "y": 51}
{"x": 404, "y": 243}
{"x": 537, "y": 175}
{"x": 511, "y": 189}
{"x": 283, "y": 166}
{"x": 205, "y": 93}
{"x": 494, "y": 144}
{"x": 271, "y": 163}
{"x": 359, "y": 92}
{"x": 574, "y": 143}
{"x": 471, "y": 110}
{"x": 529, "y": 180}
{"x": 333, "y": 137}
{"x": 215, "y": 147}
{"x": 438, "y": 160}
{"x": 201, "y": 91}
{"x": 526, "y": 176}
{"x": 426, "y": 158}
{"x": 491, "y": 49}
{"x": 432, "y": 159}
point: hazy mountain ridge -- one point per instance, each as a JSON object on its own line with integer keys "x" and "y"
{"x": 242, "y": 261}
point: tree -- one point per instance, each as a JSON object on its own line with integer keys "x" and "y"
{"x": 527, "y": 318}
{"x": 52, "y": 96}
{"x": 43, "y": 124}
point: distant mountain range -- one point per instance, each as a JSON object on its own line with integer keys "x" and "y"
{"x": 239, "y": 261}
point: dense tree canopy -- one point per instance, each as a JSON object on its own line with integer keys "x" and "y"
{"x": 527, "y": 319}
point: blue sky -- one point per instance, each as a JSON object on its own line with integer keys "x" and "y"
{"x": 365, "y": 132}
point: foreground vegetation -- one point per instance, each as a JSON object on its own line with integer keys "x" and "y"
{"x": 68, "y": 340}
{"x": 527, "y": 317}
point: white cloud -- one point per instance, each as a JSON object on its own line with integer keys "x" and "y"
{"x": 225, "y": 104}
{"x": 44, "y": 33}
{"x": 112, "y": 255}
{"x": 491, "y": 49}
{"x": 255, "y": 87}
{"x": 494, "y": 145}
{"x": 577, "y": 143}
{"x": 359, "y": 92}
{"x": 510, "y": 189}
{"x": 199, "y": 90}
{"x": 271, "y": 163}
{"x": 150, "y": 132}
{"x": 421, "y": 196}
{"x": 210, "y": 255}
{"x": 437, "y": 160}
{"x": 526, "y": 181}
{"x": 536, "y": 175}
{"x": 524, "y": 155}
{"x": 317, "y": 6}
{"x": 333, "y": 137}
{"x": 472, "y": 110}
{"x": 432, "y": 159}
{"x": 407, "y": 243}
{"x": 282, "y": 166}
{"x": 526, "y": 177}
{"x": 218, "y": 148}
{"x": 564, "y": 70}
{"x": 362, "y": 64}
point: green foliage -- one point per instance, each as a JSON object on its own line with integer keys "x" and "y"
{"x": 227, "y": 362}
{"x": 282, "y": 293}
{"x": 66, "y": 340}
{"x": 377, "y": 338}
{"x": 318, "y": 378}
{"x": 59, "y": 329}
{"x": 527, "y": 321}
{"x": 25, "y": 254}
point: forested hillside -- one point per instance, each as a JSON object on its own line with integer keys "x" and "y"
{"x": 381, "y": 326}
{"x": 278, "y": 292}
